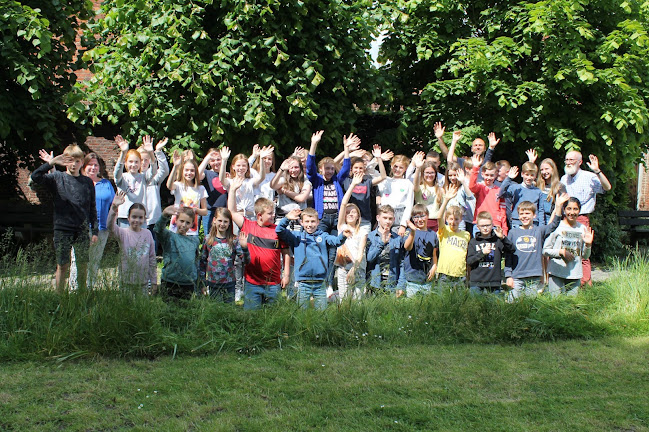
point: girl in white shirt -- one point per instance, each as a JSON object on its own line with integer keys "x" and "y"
{"x": 398, "y": 192}
{"x": 185, "y": 186}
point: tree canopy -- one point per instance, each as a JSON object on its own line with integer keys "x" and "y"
{"x": 553, "y": 74}
{"x": 231, "y": 72}
{"x": 38, "y": 55}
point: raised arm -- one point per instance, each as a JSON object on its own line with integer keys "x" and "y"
{"x": 275, "y": 183}
{"x": 119, "y": 166}
{"x": 120, "y": 198}
{"x": 265, "y": 151}
{"x": 449, "y": 194}
{"x": 450, "y": 157}
{"x": 493, "y": 142}
{"x": 177, "y": 160}
{"x": 376, "y": 152}
{"x": 439, "y": 134}
{"x": 147, "y": 144}
{"x": 351, "y": 143}
{"x": 225, "y": 154}
{"x": 593, "y": 164}
{"x": 237, "y": 217}
{"x": 418, "y": 161}
{"x": 163, "y": 165}
{"x": 356, "y": 180}
{"x": 203, "y": 166}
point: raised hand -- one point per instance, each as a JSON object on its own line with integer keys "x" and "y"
{"x": 161, "y": 144}
{"x": 438, "y": 129}
{"x": 357, "y": 179}
{"x": 450, "y": 193}
{"x": 376, "y": 151}
{"x": 120, "y": 198}
{"x": 387, "y": 155}
{"x": 316, "y": 137}
{"x": 266, "y": 151}
{"x": 457, "y": 136}
{"x": 147, "y": 143}
{"x": 357, "y": 153}
{"x": 236, "y": 183}
{"x": 460, "y": 176}
{"x": 352, "y": 142}
{"x": 493, "y": 142}
{"x": 588, "y": 236}
{"x": 121, "y": 143}
{"x": 45, "y": 156}
{"x": 177, "y": 157}
{"x": 562, "y": 199}
{"x": 284, "y": 166}
{"x": 255, "y": 150}
{"x": 61, "y": 160}
{"x": 513, "y": 172}
{"x": 499, "y": 232}
{"x": 477, "y": 160}
{"x": 593, "y": 163}
{"x": 243, "y": 239}
{"x": 299, "y": 152}
{"x": 293, "y": 214}
{"x": 225, "y": 152}
{"x": 418, "y": 159}
{"x": 531, "y": 155}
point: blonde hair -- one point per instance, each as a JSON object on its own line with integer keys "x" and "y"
{"x": 74, "y": 151}
{"x": 263, "y": 204}
{"x": 402, "y": 159}
{"x": 299, "y": 181}
{"x": 530, "y": 168}
{"x": 555, "y": 180}
{"x": 454, "y": 211}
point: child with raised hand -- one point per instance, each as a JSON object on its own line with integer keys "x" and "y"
{"x": 263, "y": 156}
{"x": 486, "y": 194}
{"x": 217, "y": 264}
{"x": 549, "y": 181}
{"x": 133, "y": 182}
{"x": 268, "y": 255}
{"x": 524, "y": 267}
{"x": 361, "y": 193}
{"x": 185, "y": 186}
{"x": 216, "y": 194}
{"x": 352, "y": 263}
{"x": 516, "y": 193}
{"x": 427, "y": 190}
{"x": 484, "y": 256}
{"x": 75, "y": 212}
{"x": 137, "y": 265}
{"x": 567, "y": 246}
{"x": 384, "y": 253}
{"x": 240, "y": 169}
{"x": 420, "y": 258}
{"x": 292, "y": 187}
{"x": 179, "y": 253}
{"x": 153, "y": 203}
{"x": 398, "y": 192}
{"x": 453, "y": 242}
{"x": 310, "y": 253}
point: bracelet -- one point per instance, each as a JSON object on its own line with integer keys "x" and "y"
{"x": 598, "y": 172}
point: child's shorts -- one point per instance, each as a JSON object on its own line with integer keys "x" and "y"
{"x": 65, "y": 240}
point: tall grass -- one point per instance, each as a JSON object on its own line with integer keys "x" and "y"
{"x": 35, "y": 322}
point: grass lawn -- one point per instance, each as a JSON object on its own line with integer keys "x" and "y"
{"x": 553, "y": 386}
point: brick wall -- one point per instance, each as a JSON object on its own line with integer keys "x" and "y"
{"x": 643, "y": 185}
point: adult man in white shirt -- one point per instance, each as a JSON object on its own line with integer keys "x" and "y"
{"x": 584, "y": 186}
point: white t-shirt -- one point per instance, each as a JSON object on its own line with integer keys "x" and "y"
{"x": 187, "y": 196}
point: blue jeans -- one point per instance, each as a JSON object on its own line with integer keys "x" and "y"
{"x": 412, "y": 288}
{"x": 254, "y": 296}
{"x": 317, "y": 289}
{"x": 329, "y": 224}
{"x": 223, "y": 292}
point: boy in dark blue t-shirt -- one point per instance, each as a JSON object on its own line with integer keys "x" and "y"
{"x": 420, "y": 246}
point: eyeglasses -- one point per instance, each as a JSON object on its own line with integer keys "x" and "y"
{"x": 419, "y": 217}
{"x": 571, "y": 160}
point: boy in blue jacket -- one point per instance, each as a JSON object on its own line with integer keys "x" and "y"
{"x": 384, "y": 253}
{"x": 516, "y": 193}
{"x": 310, "y": 254}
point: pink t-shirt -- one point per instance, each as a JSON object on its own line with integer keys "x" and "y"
{"x": 137, "y": 263}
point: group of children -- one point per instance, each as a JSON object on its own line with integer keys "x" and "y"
{"x": 431, "y": 230}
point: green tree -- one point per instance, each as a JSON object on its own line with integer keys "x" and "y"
{"x": 554, "y": 74}
{"x": 37, "y": 57}
{"x": 231, "y": 72}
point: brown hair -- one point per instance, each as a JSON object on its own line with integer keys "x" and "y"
{"x": 229, "y": 233}
{"x": 90, "y": 156}
{"x": 291, "y": 182}
{"x": 309, "y": 211}
{"x": 180, "y": 178}
{"x": 485, "y": 215}
{"x": 555, "y": 180}
{"x": 488, "y": 166}
{"x": 74, "y": 151}
{"x": 530, "y": 168}
{"x": 527, "y": 205}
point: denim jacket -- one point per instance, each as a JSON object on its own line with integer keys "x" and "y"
{"x": 375, "y": 246}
